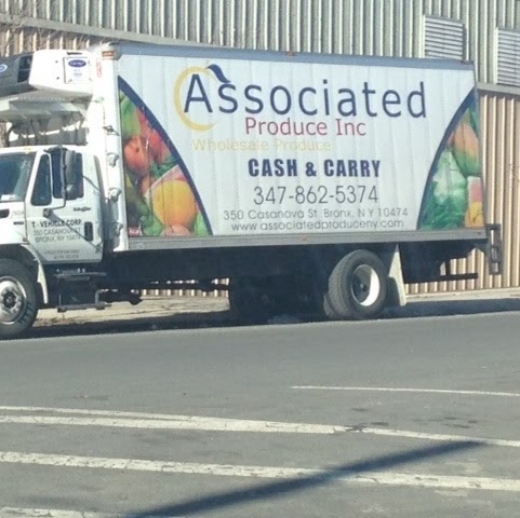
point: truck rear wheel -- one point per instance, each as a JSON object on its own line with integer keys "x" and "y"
{"x": 18, "y": 300}
{"x": 357, "y": 287}
{"x": 327, "y": 308}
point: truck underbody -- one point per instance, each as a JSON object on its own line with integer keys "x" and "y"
{"x": 288, "y": 273}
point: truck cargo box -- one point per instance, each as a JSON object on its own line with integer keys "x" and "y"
{"x": 224, "y": 147}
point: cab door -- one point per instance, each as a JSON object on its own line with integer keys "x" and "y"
{"x": 64, "y": 225}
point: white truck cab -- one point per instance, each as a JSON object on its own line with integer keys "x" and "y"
{"x": 52, "y": 202}
{"x": 50, "y": 208}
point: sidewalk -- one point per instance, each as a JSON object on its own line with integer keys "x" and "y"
{"x": 156, "y": 309}
{"x": 152, "y": 307}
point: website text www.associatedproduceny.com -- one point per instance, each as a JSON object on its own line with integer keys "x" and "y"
{"x": 280, "y": 226}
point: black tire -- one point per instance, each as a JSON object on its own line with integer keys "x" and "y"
{"x": 18, "y": 299}
{"x": 327, "y": 308}
{"x": 358, "y": 286}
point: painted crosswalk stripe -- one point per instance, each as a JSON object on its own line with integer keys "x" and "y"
{"x": 407, "y": 390}
{"x": 378, "y": 478}
{"x": 202, "y": 424}
{"x": 192, "y": 422}
{"x": 146, "y": 421}
{"x": 24, "y": 512}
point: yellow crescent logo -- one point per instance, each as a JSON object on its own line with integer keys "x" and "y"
{"x": 178, "y": 94}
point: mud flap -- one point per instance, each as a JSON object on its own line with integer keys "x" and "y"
{"x": 396, "y": 290}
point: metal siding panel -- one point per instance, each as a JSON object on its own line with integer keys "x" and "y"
{"x": 444, "y": 38}
{"x": 326, "y": 24}
{"x": 391, "y": 27}
{"x": 502, "y": 166}
{"x": 480, "y": 17}
{"x": 509, "y": 209}
{"x": 499, "y": 190}
{"x": 368, "y": 28}
{"x": 14, "y": 41}
{"x": 508, "y": 61}
{"x": 515, "y": 201}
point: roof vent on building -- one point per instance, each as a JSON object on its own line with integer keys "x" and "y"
{"x": 444, "y": 38}
{"x": 507, "y": 70}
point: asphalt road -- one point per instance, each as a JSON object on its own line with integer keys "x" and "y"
{"x": 400, "y": 418}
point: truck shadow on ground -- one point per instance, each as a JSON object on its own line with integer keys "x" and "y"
{"x": 219, "y": 319}
{"x": 292, "y": 486}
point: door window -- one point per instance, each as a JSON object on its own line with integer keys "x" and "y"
{"x": 48, "y": 184}
{"x": 42, "y": 192}
{"x": 74, "y": 179}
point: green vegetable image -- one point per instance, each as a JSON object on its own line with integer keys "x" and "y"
{"x": 199, "y": 228}
{"x": 149, "y": 223}
{"x": 447, "y": 196}
{"x": 130, "y": 124}
{"x": 133, "y": 196}
{"x": 474, "y": 119}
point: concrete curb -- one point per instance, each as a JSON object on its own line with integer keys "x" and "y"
{"x": 160, "y": 309}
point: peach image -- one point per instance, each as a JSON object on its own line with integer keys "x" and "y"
{"x": 176, "y": 230}
{"x": 136, "y": 156}
{"x": 158, "y": 149}
{"x": 475, "y": 191}
{"x": 475, "y": 215}
{"x": 175, "y": 173}
{"x": 174, "y": 203}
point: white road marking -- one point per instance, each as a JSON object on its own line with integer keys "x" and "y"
{"x": 23, "y": 512}
{"x": 411, "y": 390}
{"x": 198, "y": 423}
{"x": 388, "y": 432}
{"x": 263, "y": 472}
{"x": 255, "y": 425}
{"x": 148, "y": 421}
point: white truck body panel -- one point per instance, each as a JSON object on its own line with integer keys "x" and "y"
{"x": 211, "y": 147}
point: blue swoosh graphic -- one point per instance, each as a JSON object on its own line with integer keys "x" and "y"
{"x": 219, "y": 74}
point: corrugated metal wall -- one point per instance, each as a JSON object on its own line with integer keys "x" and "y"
{"x": 384, "y": 27}
{"x": 14, "y": 40}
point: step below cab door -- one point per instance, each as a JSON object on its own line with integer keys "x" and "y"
{"x": 64, "y": 209}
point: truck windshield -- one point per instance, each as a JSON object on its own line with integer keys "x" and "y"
{"x": 15, "y": 171}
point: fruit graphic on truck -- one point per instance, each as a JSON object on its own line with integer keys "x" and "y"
{"x": 160, "y": 191}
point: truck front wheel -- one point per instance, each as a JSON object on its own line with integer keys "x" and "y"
{"x": 357, "y": 287}
{"x": 18, "y": 300}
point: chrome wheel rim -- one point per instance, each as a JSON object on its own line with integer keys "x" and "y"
{"x": 365, "y": 285}
{"x": 13, "y": 300}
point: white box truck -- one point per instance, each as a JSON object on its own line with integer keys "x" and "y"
{"x": 312, "y": 182}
